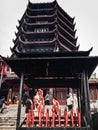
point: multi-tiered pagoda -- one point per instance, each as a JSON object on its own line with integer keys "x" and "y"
{"x": 45, "y": 55}
{"x": 44, "y": 28}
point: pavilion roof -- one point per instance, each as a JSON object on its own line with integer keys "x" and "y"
{"x": 53, "y": 70}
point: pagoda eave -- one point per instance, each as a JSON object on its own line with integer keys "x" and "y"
{"x": 53, "y": 54}
{"x": 43, "y": 5}
{"x": 70, "y": 19}
{"x": 43, "y": 9}
{"x": 40, "y": 16}
{"x": 31, "y": 42}
{"x": 65, "y": 20}
{"x": 69, "y": 28}
{"x": 38, "y": 24}
{"x": 34, "y": 33}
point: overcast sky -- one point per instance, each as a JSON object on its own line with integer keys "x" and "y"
{"x": 86, "y": 18}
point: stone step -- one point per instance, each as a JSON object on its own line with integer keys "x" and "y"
{"x": 8, "y": 121}
{"x": 8, "y": 124}
{"x": 9, "y": 117}
{"x": 7, "y": 127}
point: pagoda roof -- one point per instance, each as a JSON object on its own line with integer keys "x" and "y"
{"x": 41, "y": 9}
{"x": 47, "y": 16}
{"x": 41, "y": 5}
{"x": 56, "y": 13}
{"x": 46, "y": 24}
{"x": 43, "y": 18}
{"x": 38, "y": 23}
{"x": 53, "y": 69}
{"x": 67, "y": 28}
{"x": 48, "y": 6}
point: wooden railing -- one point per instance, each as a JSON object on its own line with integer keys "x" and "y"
{"x": 45, "y": 119}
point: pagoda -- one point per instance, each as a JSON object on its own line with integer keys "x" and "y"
{"x": 45, "y": 55}
{"x": 44, "y": 28}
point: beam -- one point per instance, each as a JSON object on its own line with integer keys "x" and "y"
{"x": 50, "y": 83}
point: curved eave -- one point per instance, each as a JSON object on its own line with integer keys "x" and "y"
{"x": 31, "y": 44}
{"x": 71, "y": 38}
{"x": 59, "y": 65}
{"x": 30, "y": 27}
{"x": 44, "y": 19}
{"x": 67, "y": 41}
{"x": 65, "y": 14}
{"x": 63, "y": 46}
{"x": 25, "y": 54}
{"x": 27, "y": 33}
{"x": 52, "y": 54}
{"x": 16, "y": 40}
{"x": 40, "y": 16}
{"x": 42, "y": 5}
{"x": 24, "y": 46}
{"x": 20, "y": 24}
{"x": 64, "y": 24}
{"x": 66, "y": 20}
{"x": 40, "y": 13}
{"x": 43, "y": 9}
{"x": 19, "y": 30}
{"x": 36, "y": 42}
{"x": 13, "y": 48}
{"x": 21, "y": 20}
{"x": 38, "y": 33}
{"x": 33, "y": 24}
{"x": 39, "y": 24}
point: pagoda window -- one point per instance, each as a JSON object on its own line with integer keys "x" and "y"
{"x": 28, "y": 50}
{"x": 39, "y": 22}
{"x": 41, "y": 39}
{"x": 41, "y": 29}
{"x": 41, "y": 49}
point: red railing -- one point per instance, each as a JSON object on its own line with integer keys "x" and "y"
{"x": 44, "y": 119}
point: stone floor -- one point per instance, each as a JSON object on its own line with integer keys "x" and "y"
{"x": 11, "y": 110}
{"x": 9, "y": 116}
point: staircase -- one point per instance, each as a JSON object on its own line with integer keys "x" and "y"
{"x": 9, "y": 116}
{"x": 8, "y": 120}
